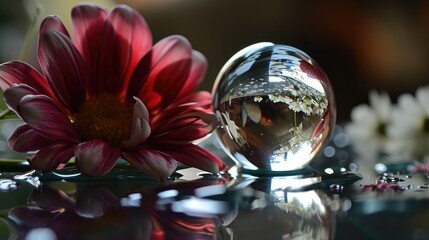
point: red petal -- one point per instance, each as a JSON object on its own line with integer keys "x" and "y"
{"x": 51, "y": 200}
{"x": 201, "y": 99}
{"x": 49, "y": 158}
{"x": 53, "y": 23}
{"x": 42, "y": 115}
{"x": 162, "y": 95}
{"x": 194, "y": 156}
{"x": 196, "y": 76}
{"x": 312, "y": 70}
{"x": 125, "y": 40}
{"x": 181, "y": 136}
{"x": 190, "y": 110}
{"x": 187, "y": 127}
{"x": 32, "y": 217}
{"x": 171, "y": 64}
{"x": 64, "y": 68}
{"x": 96, "y": 157}
{"x": 88, "y": 23}
{"x": 96, "y": 202}
{"x": 141, "y": 129}
{"x": 14, "y": 95}
{"x": 25, "y": 139}
{"x": 152, "y": 162}
{"x": 171, "y": 49}
{"x": 16, "y": 72}
{"x": 139, "y": 76}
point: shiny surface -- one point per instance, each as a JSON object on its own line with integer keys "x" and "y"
{"x": 335, "y": 205}
{"x": 276, "y": 107}
{"x": 209, "y": 207}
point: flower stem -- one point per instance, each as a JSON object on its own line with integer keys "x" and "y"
{"x": 7, "y": 113}
{"x": 4, "y": 113}
{"x": 294, "y": 118}
{"x": 29, "y": 35}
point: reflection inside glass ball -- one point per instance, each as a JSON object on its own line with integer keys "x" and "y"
{"x": 275, "y": 106}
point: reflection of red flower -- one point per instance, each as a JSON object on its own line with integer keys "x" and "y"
{"x": 107, "y": 93}
{"x": 313, "y": 71}
{"x": 91, "y": 216}
{"x": 173, "y": 218}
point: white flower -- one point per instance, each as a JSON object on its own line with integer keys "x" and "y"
{"x": 295, "y": 106}
{"x": 258, "y": 99}
{"x": 232, "y": 129}
{"x": 409, "y": 129}
{"x": 367, "y": 128}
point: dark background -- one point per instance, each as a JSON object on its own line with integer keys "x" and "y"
{"x": 361, "y": 45}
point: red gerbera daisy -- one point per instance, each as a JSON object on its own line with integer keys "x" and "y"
{"x": 106, "y": 93}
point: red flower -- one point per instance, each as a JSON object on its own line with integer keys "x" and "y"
{"x": 90, "y": 214}
{"x": 106, "y": 93}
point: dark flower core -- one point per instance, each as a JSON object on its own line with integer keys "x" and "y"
{"x": 381, "y": 129}
{"x": 105, "y": 117}
{"x": 426, "y": 125}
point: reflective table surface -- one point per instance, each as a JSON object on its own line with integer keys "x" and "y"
{"x": 191, "y": 205}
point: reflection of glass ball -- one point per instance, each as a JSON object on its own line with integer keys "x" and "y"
{"x": 276, "y": 107}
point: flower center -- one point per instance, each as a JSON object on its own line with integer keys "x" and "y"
{"x": 381, "y": 129}
{"x": 426, "y": 125}
{"x": 105, "y": 117}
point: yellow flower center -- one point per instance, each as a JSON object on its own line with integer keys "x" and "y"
{"x": 105, "y": 117}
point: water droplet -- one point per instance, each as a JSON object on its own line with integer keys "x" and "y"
{"x": 8, "y": 185}
{"x": 329, "y": 151}
{"x": 208, "y": 175}
{"x": 341, "y": 140}
{"x": 281, "y": 121}
{"x": 133, "y": 200}
{"x": 347, "y": 205}
{"x": 29, "y": 178}
{"x": 380, "y": 167}
{"x": 353, "y": 167}
{"x": 390, "y": 179}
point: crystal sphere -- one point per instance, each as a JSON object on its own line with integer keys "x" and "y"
{"x": 275, "y": 107}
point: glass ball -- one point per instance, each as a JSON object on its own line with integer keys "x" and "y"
{"x": 275, "y": 106}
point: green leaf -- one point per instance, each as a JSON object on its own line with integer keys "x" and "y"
{"x": 8, "y": 114}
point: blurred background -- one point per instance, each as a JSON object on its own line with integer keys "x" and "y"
{"x": 361, "y": 45}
